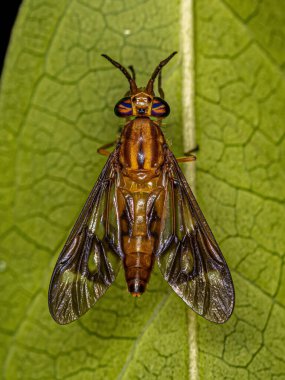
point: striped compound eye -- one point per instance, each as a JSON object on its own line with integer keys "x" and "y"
{"x": 124, "y": 107}
{"x": 159, "y": 108}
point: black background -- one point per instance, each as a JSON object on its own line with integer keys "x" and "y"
{"x": 8, "y": 13}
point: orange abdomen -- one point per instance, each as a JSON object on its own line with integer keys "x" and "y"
{"x": 141, "y": 157}
{"x": 138, "y": 263}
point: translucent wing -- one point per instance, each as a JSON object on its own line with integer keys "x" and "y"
{"x": 188, "y": 255}
{"x": 90, "y": 259}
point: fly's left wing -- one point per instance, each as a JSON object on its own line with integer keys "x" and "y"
{"x": 90, "y": 259}
{"x": 188, "y": 254}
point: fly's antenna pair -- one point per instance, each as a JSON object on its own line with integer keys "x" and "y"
{"x": 131, "y": 79}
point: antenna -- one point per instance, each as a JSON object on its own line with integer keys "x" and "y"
{"x": 149, "y": 87}
{"x": 132, "y": 82}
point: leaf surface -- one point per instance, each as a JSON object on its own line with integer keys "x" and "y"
{"x": 56, "y": 108}
{"x": 240, "y": 96}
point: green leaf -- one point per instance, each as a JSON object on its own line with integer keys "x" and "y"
{"x": 240, "y": 114}
{"x": 56, "y": 108}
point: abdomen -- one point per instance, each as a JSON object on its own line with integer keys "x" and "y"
{"x": 141, "y": 157}
{"x": 139, "y": 227}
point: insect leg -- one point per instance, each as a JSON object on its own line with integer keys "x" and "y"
{"x": 188, "y": 155}
{"x": 195, "y": 149}
{"x": 102, "y": 150}
{"x": 189, "y": 158}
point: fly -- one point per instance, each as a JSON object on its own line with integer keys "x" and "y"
{"x": 141, "y": 210}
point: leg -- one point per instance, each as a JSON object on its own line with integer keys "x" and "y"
{"x": 186, "y": 159}
{"x": 102, "y": 150}
{"x": 188, "y": 155}
{"x": 195, "y": 149}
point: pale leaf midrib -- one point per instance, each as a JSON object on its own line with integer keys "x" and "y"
{"x": 187, "y": 49}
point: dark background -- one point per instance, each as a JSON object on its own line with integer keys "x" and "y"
{"x": 8, "y": 13}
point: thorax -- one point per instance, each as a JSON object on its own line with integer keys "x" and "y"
{"x": 141, "y": 151}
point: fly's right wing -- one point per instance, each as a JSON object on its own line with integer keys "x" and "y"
{"x": 90, "y": 259}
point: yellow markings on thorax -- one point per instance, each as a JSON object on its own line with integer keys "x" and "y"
{"x": 141, "y": 147}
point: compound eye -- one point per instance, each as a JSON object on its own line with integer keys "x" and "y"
{"x": 124, "y": 107}
{"x": 159, "y": 108}
{"x": 148, "y": 99}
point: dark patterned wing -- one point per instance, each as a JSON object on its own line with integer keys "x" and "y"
{"x": 90, "y": 259}
{"x": 188, "y": 255}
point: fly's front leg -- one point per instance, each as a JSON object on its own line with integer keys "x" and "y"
{"x": 102, "y": 150}
{"x": 188, "y": 155}
{"x": 186, "y": 158}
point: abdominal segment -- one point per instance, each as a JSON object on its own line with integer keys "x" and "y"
{"x": 139, "y": 239}
{"x": 138, "y": 262}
